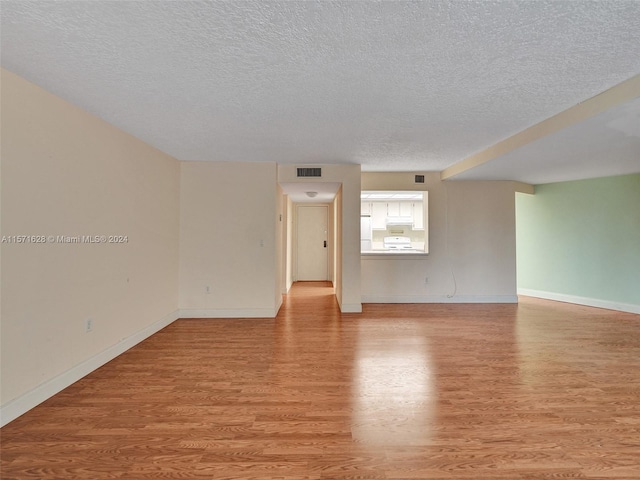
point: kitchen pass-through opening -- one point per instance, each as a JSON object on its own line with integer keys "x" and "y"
{"x": 394, "y": 222}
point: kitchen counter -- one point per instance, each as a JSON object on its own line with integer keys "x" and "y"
{"x": 394, "y": 253}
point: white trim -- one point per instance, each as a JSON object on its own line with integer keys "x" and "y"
{"x": 22, "y": 404}
{"x": 228, "y": 312}
{"x": 439, "y": 299}
{"x": 295, "y": 240}
{"x": 589, "y": 302}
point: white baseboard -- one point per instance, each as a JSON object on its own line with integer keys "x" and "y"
{"x": 228, "y": 312}
{"x": 22, "y": 404}
{"x": 589, "y": 302}
{"x": 439, "y": 299}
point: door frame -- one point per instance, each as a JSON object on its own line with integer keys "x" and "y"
{"x": 330, "y": 239}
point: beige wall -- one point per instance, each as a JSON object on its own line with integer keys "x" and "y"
{"x": 337, "y": 275}
{"x": 471, "y": 245}
{"x": 190, "y": 226}
{"x": 228, "y": 217}
{"x": 280, "y": 246}
{"x": 289, "y": 245}
{"x": 66, "y": 172}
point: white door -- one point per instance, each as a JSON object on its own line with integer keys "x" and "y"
{"x": 312, "y": 258}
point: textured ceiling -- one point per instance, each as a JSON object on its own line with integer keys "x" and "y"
{"x": 393, "y": 86}
{"x": 604, "y": 145}
{"x": 325, "y": 191}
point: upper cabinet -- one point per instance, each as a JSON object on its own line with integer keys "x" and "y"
{"x": 379, "y": 215}
{"x": 399, "y": 209}
{"x": 418, "y": 215}
{"x": 406, "y": 209}
{"x": 393, "y": 209}
{"x": 402, "y": 213}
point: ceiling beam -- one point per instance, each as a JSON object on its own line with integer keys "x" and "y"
{"x": 621, "y": 93}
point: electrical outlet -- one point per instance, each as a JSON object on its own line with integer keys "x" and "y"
{"x": 88, "y": 325}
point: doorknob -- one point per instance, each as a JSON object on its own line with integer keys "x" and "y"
{"x": 325, "y": 244}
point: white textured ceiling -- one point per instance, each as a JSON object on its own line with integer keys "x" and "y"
{"x": 325, "y": 191}
{"x": 393, "y": 86}
{"x": 604, "y": 145}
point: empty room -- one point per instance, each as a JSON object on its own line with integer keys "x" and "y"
{"x": 310, "y": 240}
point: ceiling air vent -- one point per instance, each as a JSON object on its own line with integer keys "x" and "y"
{"x": 309, "y": 172}
{"x": 419, "y": 178}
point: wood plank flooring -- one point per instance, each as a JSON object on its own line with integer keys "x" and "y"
{"x": 538, "y": 390}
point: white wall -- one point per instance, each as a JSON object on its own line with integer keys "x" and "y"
{"x": 228, "y": 217}
{"x": 471, "y": 245}
{"x": 347, "y": 228}
{"x": 66, "y": 172}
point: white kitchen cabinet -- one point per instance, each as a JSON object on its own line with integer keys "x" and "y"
{"x": 393, "y": 209}
{"x": 379, "y": 215}
{"x": 418, "y": 216}
{"x": 406, "y": 209}
{"x": 399, "y": 209}
{"x": 365, "y": 208}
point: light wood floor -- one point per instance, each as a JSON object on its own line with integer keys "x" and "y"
{"x": 537, "y": 390}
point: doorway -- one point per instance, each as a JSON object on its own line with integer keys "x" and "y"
{"x": 312, "y": 258}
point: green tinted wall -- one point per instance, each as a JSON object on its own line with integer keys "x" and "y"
{"x": 581, "y": 238}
